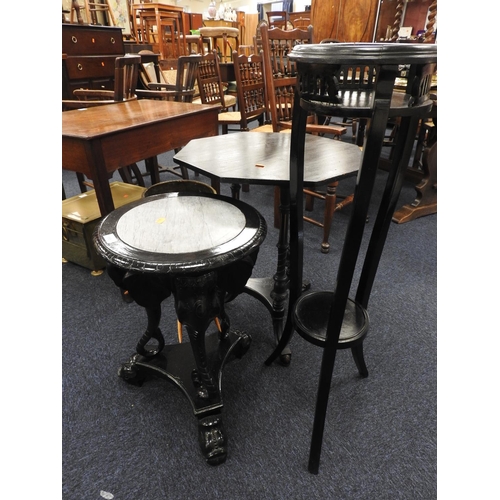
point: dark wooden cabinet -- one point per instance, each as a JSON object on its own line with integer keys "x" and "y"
{"x": 89, "y": 54}
{"x": 343, "y": 20}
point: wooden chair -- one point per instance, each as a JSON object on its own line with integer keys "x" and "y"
{"x": 125, "y": 83}
{"x": 257, "y": 38}
{"x": 251, "y": 93}
{"x": 281, "y": 79}
{"x": 352, "y": 78}
{"x": 184, "y": 88}
{"x": 210, "y": 84}
{"x": 278, "y": 19}
{"x": 251, "y": 96}
{"x": 182, "y": 91}
{"x": 301, "y": 23}
{"x": 150, "y": 70}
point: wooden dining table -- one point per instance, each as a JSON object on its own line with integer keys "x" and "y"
{"x": 97, "y": 141}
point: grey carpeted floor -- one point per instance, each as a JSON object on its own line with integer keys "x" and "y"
{"x": 133, "y": 443}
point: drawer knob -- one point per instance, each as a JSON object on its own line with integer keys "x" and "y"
{"x": 74, "y": 39}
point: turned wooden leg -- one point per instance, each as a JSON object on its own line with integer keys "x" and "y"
{"x": 330, "y": 201}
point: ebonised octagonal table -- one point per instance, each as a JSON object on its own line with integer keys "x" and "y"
{"x": 263, "y": 158}
{"x": 201, "y": 248}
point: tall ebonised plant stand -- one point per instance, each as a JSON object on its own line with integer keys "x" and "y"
{"x": 331, "y": 319}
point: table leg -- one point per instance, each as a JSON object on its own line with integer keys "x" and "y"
{"x": 99, "y": 177}
{"x": 153, "y": 168}
{"x": 273, "y": 292}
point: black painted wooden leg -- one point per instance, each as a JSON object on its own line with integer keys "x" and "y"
{"x": 235, "y": 191}
{"x": 129, "y": 370}
{"x": 359, "y": 359}
{"x": 152, "y": 331}
{"x": 280, "y": 292}
{"x": 198, "y": 301}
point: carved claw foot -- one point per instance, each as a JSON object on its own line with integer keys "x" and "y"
{"x": 128, "y": 372}
{"x": 212, "y": 439}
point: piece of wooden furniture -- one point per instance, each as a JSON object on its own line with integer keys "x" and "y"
{"x": 149, "y": 69}
{"x": 425, "y": 202}
{"x": 192, "y": 21}
{"x": 301, "y": 22}
{"x": 161, "y": 25}
{"x": 423, "y": 170}
{"x": 349, "y": 78}
{"x": 200, "y": 248}
{"x": 281, "y": 78}
{"x": 224, "y": 39}
{"x": 184, "y": 88}
{"x": 251, "y": 94}
{"x": 392, "y": 16}
{"x": 277, "y": 19}
{"x": 89, "y": 57}
{"x": 98, "y": 141}
{"x": 330, "y": 319}
{"x": 96, "y": 12}
{"x": 125, "y": 83}
{"x": 303, "y": 14}
{"x": 344, "y": 20}
{"x": 182, "y": 91}
{"x": 210, "y": 85}
{"x": 89, "y": 62}
{"x": 246, "y": 158}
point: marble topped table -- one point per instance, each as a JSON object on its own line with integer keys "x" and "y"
{"x": 200, "y": 248}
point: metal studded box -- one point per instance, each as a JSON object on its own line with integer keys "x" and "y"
{"x": 80, "y": 216}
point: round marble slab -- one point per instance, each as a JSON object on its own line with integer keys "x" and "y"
{"x": 179, "y": 232}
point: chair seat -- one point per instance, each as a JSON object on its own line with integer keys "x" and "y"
{"x": 217, "y": 31}
{"x": 267, "y": 128}
{"x": 311, "y": 315}
{"x": 230, "y": 117}
{"x": 229, "y": 100}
